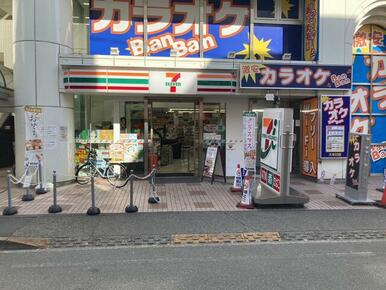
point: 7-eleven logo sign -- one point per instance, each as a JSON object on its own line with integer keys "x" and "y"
{"x": 173, "y": 82}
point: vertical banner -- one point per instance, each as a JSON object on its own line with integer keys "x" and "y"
{"x": 335, "y": 126}
{"x": 249, "y": 136}
{"x": 33, "y": 135}
{"x": 309, "y": 141}
{"x": 311, "y": 30}
{"x": 352, "y": 170}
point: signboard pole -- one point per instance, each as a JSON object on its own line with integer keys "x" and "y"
{"x": 276, "y": 156}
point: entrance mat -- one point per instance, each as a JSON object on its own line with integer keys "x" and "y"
{"x": 203, "y": 205}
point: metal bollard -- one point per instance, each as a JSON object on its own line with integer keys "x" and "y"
{"x": 93, "y": 210}
{"x": 27, "y": 196}
{"x": 153, "y": 198}
{"x": 131, "y": 208}
{"x": 40, "y": 189}
{"x": 55, "y": 208}
{"x": 9, "y": 210}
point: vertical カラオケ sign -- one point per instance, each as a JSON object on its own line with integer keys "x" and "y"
{"x": 335, "y": 126}
{"x": 353, "y": 161}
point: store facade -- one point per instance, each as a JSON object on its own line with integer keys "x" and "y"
{"x": 155, "y": 82}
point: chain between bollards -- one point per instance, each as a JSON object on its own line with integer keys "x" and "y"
{"x": 93, "y": 210}
{"x": 55, "y": 208}
{"x": 40, "y": 189}
{"x": 9, "y": 210}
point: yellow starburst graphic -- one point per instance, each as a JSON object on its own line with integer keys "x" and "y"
{"x": 260, "y": 49}
{"x": 286, "y": 7}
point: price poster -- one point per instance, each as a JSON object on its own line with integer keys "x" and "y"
{"x": 210, "y": 161}
{"x": 249, "y": 133}
{"x": 335, "y": 126}
{"x": 353, "y": 161}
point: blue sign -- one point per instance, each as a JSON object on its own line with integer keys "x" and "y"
{"x": 175, "y": 25}
{"x": 254, "y": 76}
{"x": 335, "y": 126}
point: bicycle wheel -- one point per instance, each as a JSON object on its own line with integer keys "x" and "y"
{"x": 83, "y": 174}
{"x": 116, "y": 174}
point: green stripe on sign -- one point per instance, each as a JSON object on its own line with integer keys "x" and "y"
{"x": 129, "y": 81}
{"x": 88, "y": 80}
{"x": 215, "y": 83}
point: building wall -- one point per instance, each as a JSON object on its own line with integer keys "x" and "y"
{"x": 338, "y": 22}
{"x": 6, "y": 42}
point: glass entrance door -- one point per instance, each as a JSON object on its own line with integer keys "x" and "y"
{"x": 174, "y": 137}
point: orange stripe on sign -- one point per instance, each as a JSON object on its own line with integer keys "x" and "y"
{"x": 266, "y": 122}
{"x": 171, "y": 75}
{"x": 129, "y": 74}
{"x": 209, "y": 76}
{"x": 104, "y": 73}
{"x": 87, "y": 73}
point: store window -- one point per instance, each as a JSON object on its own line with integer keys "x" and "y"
{"x": 274, "y": 11}
{"x": 80, "y": 26}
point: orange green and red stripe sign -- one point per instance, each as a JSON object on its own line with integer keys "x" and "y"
{"x": 106, "y": 80}
{"x": 215, "y": 83}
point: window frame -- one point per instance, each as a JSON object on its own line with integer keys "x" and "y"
{"x": 278, "y": 17}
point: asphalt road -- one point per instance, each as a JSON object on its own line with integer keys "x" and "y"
{"x": 329, "y": 265}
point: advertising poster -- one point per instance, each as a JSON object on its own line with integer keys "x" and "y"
{"x": 34, "y": 135}
{"x": 335, "y": 126}
{"x": 311, "y": 15}
{"x": 353, "y": 160}
{"x": 116, "y": 152}
{"x": 291, "y": 76}
{"x": 270, "y": 142}
{"x": 249, "y": 134}
{"x": 309, "y": 141}
{"x": 210, "y": 161}
{"x": 378, "y": 158}
{"x": 271, "y": 179}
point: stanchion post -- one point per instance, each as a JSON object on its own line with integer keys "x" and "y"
{"x": 27, "y": 196}
{"x": 40, "y": 189}
{"x": 9, "y": 210}
{"x": 55, "y": 208}
{"x": 131, "y": 207}
{"x": 93, "y": 210}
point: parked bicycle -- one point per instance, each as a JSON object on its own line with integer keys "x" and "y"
{"x": 115, "y": 173}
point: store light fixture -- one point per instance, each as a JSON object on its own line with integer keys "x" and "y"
{"x": 287, "y": 56}
{"x": 114, "y": 51}
{"x": 231, "y": 55}
{"x": 173, "y": 53}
